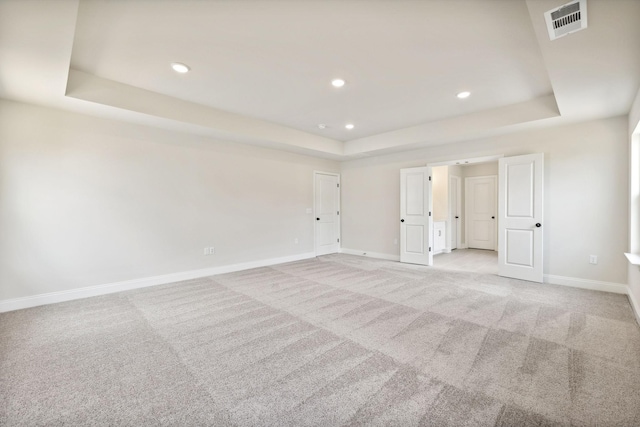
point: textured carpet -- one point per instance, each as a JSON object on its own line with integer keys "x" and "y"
{"x": 337, "y": 340}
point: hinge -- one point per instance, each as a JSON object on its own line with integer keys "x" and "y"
{"x": 429, "y": 213}
{"x": 338, "y": 213}
{"x": 429, "y": 248}
{"x": 429, "y": 178}
{"x": 338, "y": 185}
{"x": 338, "y": 240}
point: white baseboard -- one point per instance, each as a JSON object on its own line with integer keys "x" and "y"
{"x": 109, "y": 288}
{"x": 635, "y": 304}
{"x": 594, "y": 285}
{"x": 370, "y": 254}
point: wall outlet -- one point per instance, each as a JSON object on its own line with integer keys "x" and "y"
{"x": 295, "y": 240}
{"x": 593, "y": 259}
{"x": 206, "y": 251}
{"x": 209, "y": 251}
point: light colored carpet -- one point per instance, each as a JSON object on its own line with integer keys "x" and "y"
{"x": 337, "y": 340}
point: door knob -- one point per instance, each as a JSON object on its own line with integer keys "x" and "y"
{"x": 402, "y": 220}
{"x": 538, "y": 224}
{"x": 493, "y": 217}
{"x": 457, "y": 217}
{"x": 317, "y": 219}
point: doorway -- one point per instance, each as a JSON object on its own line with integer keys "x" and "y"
{"x": 450, "y": 207}
{"x": 509, "y": 234}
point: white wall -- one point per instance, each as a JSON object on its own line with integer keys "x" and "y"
{"x": 586, "y": 190}
{"x": 440, "y": 192}
{"x": 87, "y": 201}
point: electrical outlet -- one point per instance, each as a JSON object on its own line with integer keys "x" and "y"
{"x": 212, "y": 250}
{"x": 295, "y": 241}
{"x": 593, "y": 259}
{"x": 206, "y": 251}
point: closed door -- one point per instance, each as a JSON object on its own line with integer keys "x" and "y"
{"x": 415, "y": 216}
{"x": 520, "y": 252}
{"x": 481, "y": 210}
{"x": 455, "y": 201}
{"x": 327, "y": 213}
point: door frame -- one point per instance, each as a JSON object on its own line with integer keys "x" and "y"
{"x": 466, "y": 208}
{"x": 458, "y": 203}
{"x": 337, "y": 175}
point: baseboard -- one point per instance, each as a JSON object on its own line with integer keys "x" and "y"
{"x": 370, "y": 254}
{"x": 594, "y": 285}
{"x": 109, "y": 288}
{"x": 635, "y": 304}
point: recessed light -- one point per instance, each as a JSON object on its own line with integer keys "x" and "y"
{"x": 179, "y": 67}
{"x": 337, "y": 82}
{"x": 463, "y": 95}
{"x": 349, "y": 126}
{"x": 322, "y": 126}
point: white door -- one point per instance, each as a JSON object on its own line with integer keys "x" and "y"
{"x": 520, "y": 217}
{"x": 327, "y": 213}
{"x": 415, "y": 216}
{"x": 480, "y": 208}
{"x": 455, "y": 199}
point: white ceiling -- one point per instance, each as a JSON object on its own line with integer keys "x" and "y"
{"x": 261, "y": 69}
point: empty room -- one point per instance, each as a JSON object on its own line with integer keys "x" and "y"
{"x": 320, "y": 213}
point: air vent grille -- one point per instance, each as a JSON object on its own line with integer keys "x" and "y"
{"x": 566, "y": 19}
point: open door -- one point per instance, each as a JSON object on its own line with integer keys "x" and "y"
{"x": 520, "y": 213}
{"x": 415, "y": 216}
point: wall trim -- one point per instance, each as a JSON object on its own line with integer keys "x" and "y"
{"x": 369, "y": 254}
{"x": 635, "y": 305}
{"x": 109, "y": 288}
{"x": 594, "y": 285}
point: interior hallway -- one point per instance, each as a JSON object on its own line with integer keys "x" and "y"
{"x": 474, "y": 260}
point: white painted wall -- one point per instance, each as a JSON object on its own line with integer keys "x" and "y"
{"x": 586, "y": 188}
{"x": 87, "y": 201}
{"x": 440, "y": 189}
{"x": 480, "y": 169}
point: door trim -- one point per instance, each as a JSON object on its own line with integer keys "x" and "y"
{"x": 466, "y": 208}
{"x": 337, "y": 175}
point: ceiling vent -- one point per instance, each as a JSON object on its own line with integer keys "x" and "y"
{"x": 566, "y": 19}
